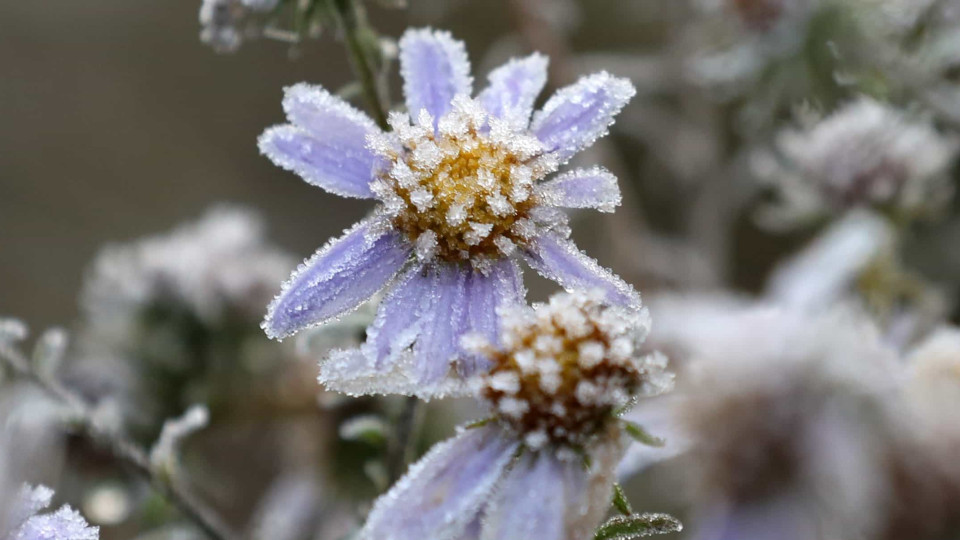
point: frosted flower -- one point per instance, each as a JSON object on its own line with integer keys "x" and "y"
{"x": 462, "y": 195}
{"x": 867, "y": 154}
{"x": 542, "y": 466}
{"x": 28, "y": 524}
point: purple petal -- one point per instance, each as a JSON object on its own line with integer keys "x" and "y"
{"x": 514, "y": 88}
{"x": 441, "y": 324}
{"x": 486, "y": 295}
{"x": 325, "y": 142}
{"x": 442, "y": 494}
{"x": 435, "y": 68}
{"x": 338, "y": 278}
{"x": 530, "y": 502}
{"x": 582, "y": 188}
{"x": 579, "y": 114}
{"x": 559, "y": 259}
{"x": 64, "y": 524}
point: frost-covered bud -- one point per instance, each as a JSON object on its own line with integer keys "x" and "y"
{"x": 566, "y": 366}
{"x": 28, "y": 524}
{"x": 867, "y": 154}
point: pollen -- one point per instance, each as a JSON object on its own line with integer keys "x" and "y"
{"x": 565, "y": 367}
{"x": 463, "y": 190}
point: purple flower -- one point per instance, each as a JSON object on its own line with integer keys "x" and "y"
{"x": 28, "y": 524}
{"x": 543, "y": 465}
{"x": 460, "y": 181}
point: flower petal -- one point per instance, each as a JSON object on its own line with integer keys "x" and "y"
{"x": 338, "y": 278}
{"x": 486, "y": 295}
{"x": 559, "y": 259}
{"x": 441, "y": 324}
{"x": 325, "y": 144}
{"x": 435, "y": 68}
{"x": 530, "y": 502}
{"x": 582, "y": 188}
{"x": 579, "y": 114}
{"x": 442, "y": 494}
{"x": 514, "y": 88}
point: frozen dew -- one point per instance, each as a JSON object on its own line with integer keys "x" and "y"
{"x": 566, "y": 366}
{"x": 465, "y": 190}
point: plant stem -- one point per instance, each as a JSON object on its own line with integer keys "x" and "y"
{"x": 120, "y": 448}
{"x": 404, "y": 446}
{"x": 354, "y": 24}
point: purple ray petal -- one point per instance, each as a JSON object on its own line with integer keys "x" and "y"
{"x": 582, "y": 188}
{"x": 435, "y": 68}
{"x": 559, "y": 259}
{"x": 486, "y": 294}
{"x": 325, "y": 144}
{"x": 514, "y": 88}
{"x": 338, "y": 278}
{"x": 442, "y": 494}
{"x": 441, "y": 324}
{"x": 579, "y": 114}
{"x": 530, "y": 502}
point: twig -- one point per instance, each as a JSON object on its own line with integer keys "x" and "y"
{"x": 353, "y": 22}
{"x": 122, "y": 449}
{"x": 403, "y": 447}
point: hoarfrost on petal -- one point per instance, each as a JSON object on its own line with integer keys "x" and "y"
{"x": 595, "y": 187}
{"x": 435, "y": 68}
{"x": 442, "y": 324}
{"x": 338, "y": 278}
{"x": 442, "y": 494}
{"x": 530, "y": 501}
{"x": 487, "y": 294}
{"x": 514, "y": 88}
{"x": 559, "y": 259}
{"x": 581, "y": 113}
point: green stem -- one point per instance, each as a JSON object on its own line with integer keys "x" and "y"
{"x": 403, "y": 450}
{"x": 354, "y": 24}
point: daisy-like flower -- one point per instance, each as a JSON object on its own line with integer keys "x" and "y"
{"x": 543, "y": 465}
{"x": 462, "y": 192}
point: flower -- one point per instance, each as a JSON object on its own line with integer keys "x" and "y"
{"x": 462, "y": 197}
{"x": 64, "y": 524}
{"x": 542, "y": 466}
{"x": 867, "y": 154}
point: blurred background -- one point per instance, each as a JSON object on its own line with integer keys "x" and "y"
{"x": 793, "y": 157}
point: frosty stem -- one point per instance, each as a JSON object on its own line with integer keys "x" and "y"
{"x": 83, "y": 421}
{"x": 403, "y": 448}
{"x": 354, "y": 24}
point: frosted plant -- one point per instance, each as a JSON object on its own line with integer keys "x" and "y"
{"x": 162, "y": 313}
{"x": 867, "y": 154}
{"x": 462, "y": 192}
{"x": 784, "y": 416}
{"x": 542, "y": 466}
{"x": 223, "y": 22}
{"x": 27, "y": 524}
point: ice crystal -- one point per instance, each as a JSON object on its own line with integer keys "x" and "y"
{"x": 63, "y": 524}
{"x": 463, "y": 190}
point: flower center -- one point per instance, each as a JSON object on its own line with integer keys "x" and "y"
{"x": 566, "y": 366}
{"x": 465, "y": 190}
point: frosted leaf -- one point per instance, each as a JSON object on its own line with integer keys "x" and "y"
{"x": 435, "y": 69}
{"x": 12, "y": 330}
{"x": 582, "y": 188}
{"x": 513, "y": 88}
{"x": 530, "y": 503}
{"x": 561, "y": 261}
{"x": 352, "y": 373}
{"x": 581, "y": 113}
{"x": 637, "y": 526}
{"x": 338, "y": 278}
{"x": 441, "y": 495}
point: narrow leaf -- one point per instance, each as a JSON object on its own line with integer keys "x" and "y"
{"x": 637, "y": 526}
{"x": 643, "y": 436}
{"x": 620, "y": 501}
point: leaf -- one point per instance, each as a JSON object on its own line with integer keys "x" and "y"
{"x": 637, "y": 526}
{"x": 643, "y": 436}
{"x": 620, "y": 501}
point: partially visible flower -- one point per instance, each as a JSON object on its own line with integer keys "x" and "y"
{"x": 224, "y": 22}
{"x": 28, "y": 524}
{"x": 163, "y": 314}
{"x": 867, "y": 154}
{"x": 462, "y": 191}
{"x": 542, "y": 467}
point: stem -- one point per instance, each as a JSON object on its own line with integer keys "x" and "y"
{"x": 403, "y": 450}
{"x": 354, "y": 24}
{"x": 121, "y": 449}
